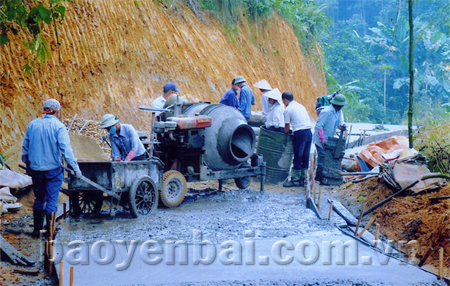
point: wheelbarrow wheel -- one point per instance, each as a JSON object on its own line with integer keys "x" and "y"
{"x": 174, "y": 189}
{"x": 86, "y": 202}
{"x": 243, "y": 183}
{"x": 143, "y": 197}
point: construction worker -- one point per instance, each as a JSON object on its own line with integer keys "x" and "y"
{"x": 230, "y": 97}
{"x": 275, "y": 114}
{"x": 169, "y": 89}
{"x": 125, "y": 142}
{"x": 296, "y": 116}
{"x": 246, "y": 97}
{"x": 45, "y": 140}
{"x": 330, "y": 118}
{"x": 264, "y": 87}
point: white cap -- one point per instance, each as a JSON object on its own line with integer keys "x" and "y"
{"x": 263, "y": 84}
{"x": 274, "y": 94}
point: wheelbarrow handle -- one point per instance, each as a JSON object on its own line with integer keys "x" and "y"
{"x": 92, "y": 183}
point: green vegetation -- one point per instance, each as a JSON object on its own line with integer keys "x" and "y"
{"x": 30, "y": 18}
{"x": 2, "y": 160}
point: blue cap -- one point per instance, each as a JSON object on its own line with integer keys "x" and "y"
{"x": 170, "y": 86}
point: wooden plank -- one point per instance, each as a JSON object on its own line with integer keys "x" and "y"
{"x": 15, "y": 256}
{"x": 344, "y": 213}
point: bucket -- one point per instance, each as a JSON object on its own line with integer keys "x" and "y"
{"x": 277, "y": 150}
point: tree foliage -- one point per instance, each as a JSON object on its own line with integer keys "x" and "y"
{"x": 30, "y": 18}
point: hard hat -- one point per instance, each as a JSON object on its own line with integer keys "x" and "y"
{"x": 239, "y": 79}
{"x": 52, "y": 103}
{"x": 263, "y": 84}
{"x": 339, "y": 99}
{"x": 108, "y": 120}
{"x": 274, "y": 94}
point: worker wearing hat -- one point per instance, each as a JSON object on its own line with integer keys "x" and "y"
{"x": 296, "y": 118}
{"x": 125, "y": 142}
{"x": 264, "y": 87}
{"x": 169, "y": 89}
{"x": 230, "y": 97}
{"x": 246, "y": 97}
{"x": 330, "y": 118}
{"x": 46, "y": 139}
{"x": 275, "y": 114}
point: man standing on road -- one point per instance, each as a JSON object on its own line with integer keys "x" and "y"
{"x": 330, "y": 118}
{"x": 246, "y": 98}
{"x": 169, "y": 89}
{"x": 264, "y": 87}
{"x": 230, "y": 97}
{"x": 45, "y": 140}
{"x": 296, "y": 115}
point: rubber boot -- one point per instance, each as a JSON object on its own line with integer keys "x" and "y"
{"x": 295, "y": 176}
{"x": 38, "y": 219}
{"x": 319, "y": 174}
{"x": 303, "y": 176}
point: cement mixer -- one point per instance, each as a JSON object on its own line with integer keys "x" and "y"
{"x": 200, "y": 142}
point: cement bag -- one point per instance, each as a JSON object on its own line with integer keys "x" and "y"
{"x": 14, "y": 180}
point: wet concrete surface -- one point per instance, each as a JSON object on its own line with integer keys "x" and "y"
{"x": 257, "y": 238}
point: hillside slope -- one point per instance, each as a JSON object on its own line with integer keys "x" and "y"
{"x": 117, "y": 55}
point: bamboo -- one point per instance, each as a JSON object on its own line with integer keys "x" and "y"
{"x": 61, "y": 273}
{"x": 331, "y": 210}
{"x": 320, "y": 198}
{"x": 377, "y": 233}
{"x": 359, "y": 220}
{"x": 71, "y": 276}
{"x": 411, "y": 73}
{"x": 441, "y": 263}
{"x": 367, "y": 226}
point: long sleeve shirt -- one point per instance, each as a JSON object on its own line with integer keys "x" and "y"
{"x": 45, "y": 140}
{"x": 329, "y": 120}
{"x": 265, "y": 104}
{"x": 246, "y": 98}
{"x": 230, "y": 98}
{"x": 275, "y": 115}
{"x": 127, "y": 140}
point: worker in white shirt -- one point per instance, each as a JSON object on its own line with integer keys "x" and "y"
{"x": 264, "y": 87}
{"x": 169, "y": 89}
{"x": 296, "y": 118}
{"x": 275, "y": 114}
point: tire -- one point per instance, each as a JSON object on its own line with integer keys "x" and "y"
{"x": 243, "y": 183}
{"x": 89, "y": 202}
{"x": 174, "y": 189}
{"x": 143, "y": 197}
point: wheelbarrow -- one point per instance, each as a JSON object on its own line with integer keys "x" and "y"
{"x": 135, "y": 183}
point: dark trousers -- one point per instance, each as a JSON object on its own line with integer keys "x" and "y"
{"x": 46, "y": 185}
{"x": 302, "y": 148}
{"x": 320, "y": 161}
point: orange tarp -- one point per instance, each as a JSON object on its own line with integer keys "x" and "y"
{"x": 372, "y": 153}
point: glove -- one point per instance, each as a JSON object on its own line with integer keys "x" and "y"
{"x": 78, "y": 173}
{"x": 321, "y": 136}
{"x": 130, "y": 156}
{"x": 118, "y": 159}
{"x": 342, "y": 126}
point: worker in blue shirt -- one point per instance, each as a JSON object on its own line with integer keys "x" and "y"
{"x": 125, "y": 142}
{"x": 246, "y": 98}
{"x": 230, "y": 97}
{"x": 45, "y": 140}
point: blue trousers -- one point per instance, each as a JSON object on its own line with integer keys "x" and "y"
{"x": 46, "y": 186}
{"x": 302, "y": 148}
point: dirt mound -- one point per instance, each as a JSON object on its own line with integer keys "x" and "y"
{"x": 405, "y": 218}
{"x": 86, "y": 149}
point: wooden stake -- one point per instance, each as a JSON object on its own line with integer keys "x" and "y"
{"x": 61, "y": 272}
{"x": 331, "y": 210}
{"x": 1, "y": 208}
{"x": 314, "y": 195}
{"x": 441, "y": 262}
{"x": 320, "y": 198}
{"x": 359, "y": 220}
{"x": 65, "y": 211}
{"x": 377, "y": 233}
{"x": 71, "y": 276}
{"x": 367, "y": 226}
